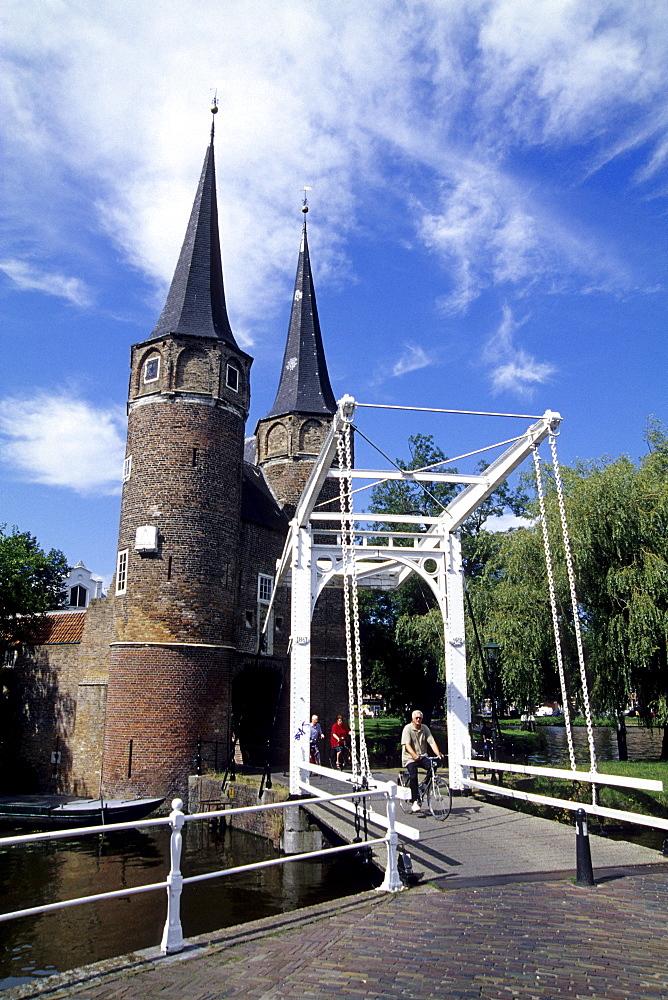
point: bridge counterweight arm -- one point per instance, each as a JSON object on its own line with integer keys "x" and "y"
{"x": 466, "y": 502}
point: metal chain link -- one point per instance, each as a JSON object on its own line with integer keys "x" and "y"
{"x": 574, "y": 604}
{"x": 364, "y": 756}
{"x": 351, "y": 604}
{"x": 553, "y": 606}
{"x": 345, "y": 502}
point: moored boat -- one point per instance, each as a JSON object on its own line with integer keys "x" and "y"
{"x": 52, "y": 811}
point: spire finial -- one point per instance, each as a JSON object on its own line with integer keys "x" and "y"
{"x": 214, "y": 111}
{"x": 305, "y": 200}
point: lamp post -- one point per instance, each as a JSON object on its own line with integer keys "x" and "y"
{"x": 492, "y": 652}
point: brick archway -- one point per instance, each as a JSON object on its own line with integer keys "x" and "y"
{"x": 256, "y": 692}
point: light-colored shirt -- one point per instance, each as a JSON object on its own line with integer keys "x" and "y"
{"x": 420, "y": 740}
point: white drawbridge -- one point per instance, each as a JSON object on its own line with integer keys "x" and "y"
{"x": 358, "y": 552}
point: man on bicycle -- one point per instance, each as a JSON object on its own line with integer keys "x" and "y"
{"x": 416, "y": 739}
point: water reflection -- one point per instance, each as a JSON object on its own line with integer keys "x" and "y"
{"x": 46, "y": 872}
{"x": 642, "y": 743}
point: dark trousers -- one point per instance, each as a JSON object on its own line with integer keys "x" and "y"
{"x": 412, "y": 768}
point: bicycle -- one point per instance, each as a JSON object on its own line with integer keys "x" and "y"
{"x": 433, "y": 789}
{"x": 339, "y": 756}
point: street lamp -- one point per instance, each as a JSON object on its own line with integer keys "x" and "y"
{"x": 492, "y": 651}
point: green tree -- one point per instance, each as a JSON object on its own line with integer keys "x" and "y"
{"x": 31, "y": 582}
{"x": 617, "y": 513}
{"x": 403, "y": 630}
{"x": 509, "y": 601}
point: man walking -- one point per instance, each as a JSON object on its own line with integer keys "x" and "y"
{"x": 416, "y": 739}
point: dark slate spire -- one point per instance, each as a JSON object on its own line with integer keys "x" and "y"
{"x": 304, "y": 385}
{"x": 196, "y": 301}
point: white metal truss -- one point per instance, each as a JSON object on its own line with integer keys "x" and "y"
{"x": 385, "y": 557}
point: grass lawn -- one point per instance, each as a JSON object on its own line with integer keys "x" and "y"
{"x": 656, "y": 769}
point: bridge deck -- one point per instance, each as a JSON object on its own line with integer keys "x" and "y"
{"x": 480, "y": 840}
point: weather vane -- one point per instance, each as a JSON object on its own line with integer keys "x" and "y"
{"x": 305, "y": 201}
{"x": 214, "y": 110}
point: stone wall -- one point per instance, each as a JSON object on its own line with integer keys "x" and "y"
{"x": 91, "y": 698}
{"x": 43, "y": 703}
{"x": 162, "y": 699}
{"x": 205, "y": 794}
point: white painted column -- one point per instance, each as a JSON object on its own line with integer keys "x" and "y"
{"x": 459, "y": 706}
{"x": 300, "y": 656}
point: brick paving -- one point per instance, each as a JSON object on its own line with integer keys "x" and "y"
{"x": 542, "y": 938}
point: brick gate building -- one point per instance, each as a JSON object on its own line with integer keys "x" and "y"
{"x": 160, "y": 674}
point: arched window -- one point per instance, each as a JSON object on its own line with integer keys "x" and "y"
{"x": 193, "y": 371}
{"x": 78, "y": 596}
{"x": 277, "y": 440}
{"x": 311, "y": 437}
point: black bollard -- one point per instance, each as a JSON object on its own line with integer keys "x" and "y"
{"x": 585, "y": 872}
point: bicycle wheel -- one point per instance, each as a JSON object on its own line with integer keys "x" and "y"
{"x": 439, "y": 798}
{"x": 402, "y": 781}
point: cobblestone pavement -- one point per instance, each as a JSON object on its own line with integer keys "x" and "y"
{"x": 540, "y": 939}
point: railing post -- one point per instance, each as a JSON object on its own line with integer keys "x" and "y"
{"x": 172, "y": 938}
{"x": 392, "y": 881}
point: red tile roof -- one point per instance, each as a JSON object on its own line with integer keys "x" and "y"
{"x": 59, "y": 628}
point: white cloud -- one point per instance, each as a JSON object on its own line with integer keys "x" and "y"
{"x": 28, "y": 277}
{"x": 59, "y": 440}
{"x": 493, "y": 231}
{"x": 447, "y": 90}
{"x": 413, "y": 358}
{"x": 559, "y": 70}
{"x": 506, "y": 522}
{"x": 512, "y": 369}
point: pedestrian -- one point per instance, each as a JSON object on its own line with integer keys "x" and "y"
{"x": 339, "y": 741}
{"x": 316, "y": 740}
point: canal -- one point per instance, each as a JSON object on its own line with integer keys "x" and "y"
{"x": 642, "y": 743}
{"x": 40, "y": 873}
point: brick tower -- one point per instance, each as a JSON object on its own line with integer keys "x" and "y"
{"x": 179, "y": 537}
{"x": 289, "y": 438}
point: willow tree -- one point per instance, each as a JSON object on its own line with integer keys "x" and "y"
{"x": 617, "y": 513}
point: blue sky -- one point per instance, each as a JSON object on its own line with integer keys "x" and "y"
{"x": 487, "y": 224}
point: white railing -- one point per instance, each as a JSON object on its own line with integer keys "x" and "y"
{"x": 374, "y": 784}
{"x": 172, "y": 938}
{"x": 590, "y": 777}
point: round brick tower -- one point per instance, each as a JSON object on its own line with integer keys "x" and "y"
{"x": 176, "y": 573}
{"x": 290, "y": 437}
{"x": 288, "y": 442}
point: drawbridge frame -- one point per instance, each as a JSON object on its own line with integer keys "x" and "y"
{"x": 434, "y": 554}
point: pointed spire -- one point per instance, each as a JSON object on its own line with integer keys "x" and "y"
{"x": 304, "y": 385}
{"x": 196, "y": 300}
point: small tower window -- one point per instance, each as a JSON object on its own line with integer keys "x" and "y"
{"x": 152, "y": 370}
{"x": 232, "y": 378}
{"x": 265, "y": 586}
{"x": 250, "y": 619}
{"x": 127, "y": 468}
{"x": 78, "y": 597}
{"x": 122, "y": 572}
